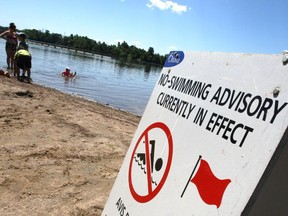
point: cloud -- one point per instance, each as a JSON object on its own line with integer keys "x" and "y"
{"x": 136, "y": 43}
{"x": 172, "y": 48}
{"x": 167, "y": 5}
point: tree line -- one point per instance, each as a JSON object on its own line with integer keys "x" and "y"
{"x": 122, "y": 51}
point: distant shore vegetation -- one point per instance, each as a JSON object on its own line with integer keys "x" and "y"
{"x": 122, "y": 51}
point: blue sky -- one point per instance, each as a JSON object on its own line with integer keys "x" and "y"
{"x": 246, "y": 26}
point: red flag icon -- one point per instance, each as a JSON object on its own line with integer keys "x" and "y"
{"x": 210, "y": 188}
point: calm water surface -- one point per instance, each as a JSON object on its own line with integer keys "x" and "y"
{"x": 102, "y": 79}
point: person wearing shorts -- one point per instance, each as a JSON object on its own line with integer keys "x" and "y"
{"x": 22, "y": 45}
{"x": 23, "y": 59}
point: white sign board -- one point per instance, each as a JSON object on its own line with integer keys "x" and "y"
{"x": 208, "y": 132}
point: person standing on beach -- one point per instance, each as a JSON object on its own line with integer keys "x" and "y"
{"x": 22, "y": 45}
{"x": 11, "y": 44}
{"x": 23, "y": 59}
{"x": 22, "y": 42}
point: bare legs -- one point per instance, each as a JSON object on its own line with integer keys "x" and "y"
{"x": 10, "y": 59}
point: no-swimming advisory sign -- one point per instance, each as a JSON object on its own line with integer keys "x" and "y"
{"x": 208, "y": 133}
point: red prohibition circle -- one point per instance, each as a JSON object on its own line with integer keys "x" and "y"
{"x": 151, "y": 193}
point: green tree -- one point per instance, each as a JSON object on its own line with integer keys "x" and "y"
{"x": 122, "y": 50}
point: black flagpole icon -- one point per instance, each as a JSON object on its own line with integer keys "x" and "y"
{"x": 191, "y": 175}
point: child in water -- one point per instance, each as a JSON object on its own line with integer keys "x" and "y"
{"x": 67, "y": 73}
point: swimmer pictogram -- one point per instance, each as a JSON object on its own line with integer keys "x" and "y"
{"x": 140, "y": 158}
{"x": 150, "y": 162}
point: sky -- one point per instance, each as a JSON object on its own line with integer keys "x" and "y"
{"x": 243, "y": 26}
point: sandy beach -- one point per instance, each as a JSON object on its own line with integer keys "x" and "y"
{"x": 59, "y": 154}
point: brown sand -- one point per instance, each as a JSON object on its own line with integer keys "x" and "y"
{"x": 59, "y": 154}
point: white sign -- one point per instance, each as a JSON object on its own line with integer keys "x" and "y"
{"x": 208, "y": 132}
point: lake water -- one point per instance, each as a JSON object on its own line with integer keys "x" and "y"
{"x": 102, "y": 79}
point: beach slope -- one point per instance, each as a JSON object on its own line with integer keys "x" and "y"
{"x": 59, "y": 154}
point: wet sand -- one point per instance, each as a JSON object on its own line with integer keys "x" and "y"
{"x": 59, "y": 154}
